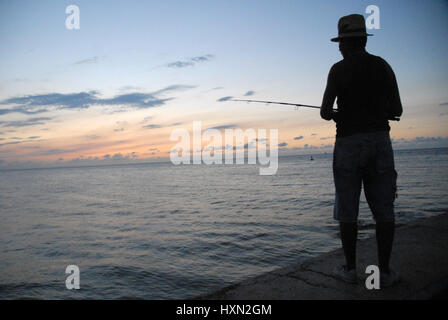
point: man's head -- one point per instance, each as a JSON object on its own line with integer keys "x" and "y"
{"x": 352, "y": 35}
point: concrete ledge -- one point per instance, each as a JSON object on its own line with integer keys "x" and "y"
{"x": 420, "y": 255}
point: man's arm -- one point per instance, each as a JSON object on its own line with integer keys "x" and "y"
{"x": 326, "y": 110}
{"x": 395, "y": 107}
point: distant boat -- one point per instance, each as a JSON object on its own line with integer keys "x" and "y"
{"x": 311, "y": 159}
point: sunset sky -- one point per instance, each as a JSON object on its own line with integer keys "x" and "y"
{"x": 136, "y": 70}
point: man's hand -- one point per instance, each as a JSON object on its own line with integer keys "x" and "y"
{"x": 335, "y": 116}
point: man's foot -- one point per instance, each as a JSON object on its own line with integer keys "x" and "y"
{"x": 342, "y": 273}
{"x": 389, "y": 279}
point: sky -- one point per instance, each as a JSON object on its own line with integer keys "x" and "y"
{"x": 134, "y": 71}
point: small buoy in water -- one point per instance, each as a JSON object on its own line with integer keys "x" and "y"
{"x": 311, "y": 158}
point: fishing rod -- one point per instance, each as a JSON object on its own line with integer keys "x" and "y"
{"x": 297, "y": 105}
{"x": 284, "y": 103}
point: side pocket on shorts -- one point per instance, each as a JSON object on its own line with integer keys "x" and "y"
{"x": 394, "y": 186}
{"x": 385, "y": 159}
{"x": 344, "y": 158}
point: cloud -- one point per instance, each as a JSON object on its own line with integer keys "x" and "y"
{"x": 249, "y": 93}
{"x": 189, "y": 62}
{"x": 298, "y": 138}
{"x": 283, "y": 144}
{"x": 421, "y": 142}
{"x": 175, "y": 87}
{"x": 94, "y": 59}
{"x": 82, "y": 160}
{"x": 202, "y": 58}
{"x": 21, "y": 140}
{"x": 180, "y": 64}
{"x": 152, "y": 126}
{"x": 31, "y": 104}
{"x": 428, "y": 139}
{"x": 21, "y": 109}
{"x": 137, "y": 99}
{"x": 225, "y": 99}
{"x": 91, "y": 146}
{"x": 55, "y": 151}
{"x": 118, "y": 156}
{"x": 307, "y": 148}
{"x": 7, "y": 143}
{"x": 24, "y": 123}
{"x": 226, "y": 126}
{"x": 70, "y": 100}
{"x": 325, "y": 138}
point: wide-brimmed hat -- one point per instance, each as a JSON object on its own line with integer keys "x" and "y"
{"x": 351, "y": 26}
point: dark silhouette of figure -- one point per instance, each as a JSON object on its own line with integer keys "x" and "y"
{"x": 367, "y": 97}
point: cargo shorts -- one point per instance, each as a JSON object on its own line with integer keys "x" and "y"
{"x": 364, "y": 159}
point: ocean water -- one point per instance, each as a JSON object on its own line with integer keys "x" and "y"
{"x": 159, "y": 231}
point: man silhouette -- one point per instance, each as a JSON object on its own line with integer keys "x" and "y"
{"x": 367, "y": 97}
